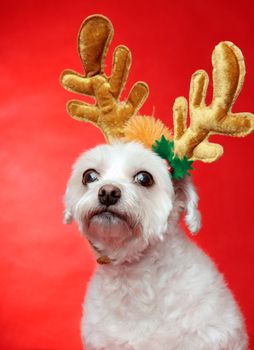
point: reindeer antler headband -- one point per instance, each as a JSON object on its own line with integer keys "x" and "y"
{"x": 118, "y": 120}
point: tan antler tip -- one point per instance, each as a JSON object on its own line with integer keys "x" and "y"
{"x": 83, "y": 111}
{"x": 120, "y": 69}
{"x": 180, "y": 111}
{"x": 94, "y": 37}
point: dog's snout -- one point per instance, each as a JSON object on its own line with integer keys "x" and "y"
{"x": 109, "y": 195}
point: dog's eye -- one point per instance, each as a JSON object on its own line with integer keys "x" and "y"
{"x": 144, "y": 179}
{"x": 89, "y": 176}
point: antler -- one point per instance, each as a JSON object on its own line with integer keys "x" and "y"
{"x": 108, "y": 113}
{"x": 217, "y": 118}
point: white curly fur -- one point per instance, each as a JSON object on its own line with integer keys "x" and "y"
{"x": 161, "y": 292}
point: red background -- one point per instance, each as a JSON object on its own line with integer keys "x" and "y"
{"x": 44, "y": 265}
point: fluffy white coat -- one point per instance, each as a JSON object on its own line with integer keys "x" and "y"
{"x": 161, "y": 292}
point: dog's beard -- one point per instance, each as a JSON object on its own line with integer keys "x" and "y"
{"x": 110, "y": 228}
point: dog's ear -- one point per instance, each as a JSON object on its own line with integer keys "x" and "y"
{"x": 68, "y": 217}
{"x": 187, "y": 200}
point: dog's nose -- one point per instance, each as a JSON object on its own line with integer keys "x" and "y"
{"x": 109, "y": 195}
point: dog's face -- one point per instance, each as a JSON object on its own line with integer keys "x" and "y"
{"x": 121, "y": 196}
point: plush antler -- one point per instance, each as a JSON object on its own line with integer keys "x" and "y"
{"x": 217, "y": 118}
{"x": 108, "y": 113}
{"x": 117, "y": 119}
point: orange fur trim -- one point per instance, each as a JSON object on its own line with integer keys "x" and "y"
{"x": 146, "y": 130}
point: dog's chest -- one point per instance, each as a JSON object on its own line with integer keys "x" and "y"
{"x": 124, "y": 291}
{"x": 125, "y": 301}
{"x": 153, "y": 303}
{"x": 124, "y": 305}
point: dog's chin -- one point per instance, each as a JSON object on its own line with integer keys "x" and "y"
{"x": 109, "y": 227}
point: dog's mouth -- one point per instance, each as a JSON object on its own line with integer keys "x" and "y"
{"x": 108, "y": 214}
{"x": 108, "y": 229}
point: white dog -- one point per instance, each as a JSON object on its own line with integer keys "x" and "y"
{"x": 160, "y": 291}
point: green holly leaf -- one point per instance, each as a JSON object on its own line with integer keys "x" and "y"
{"x": 164, "y": 148}
{"x": 181, "y": 167}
